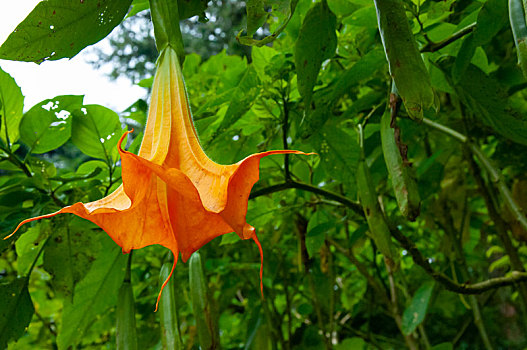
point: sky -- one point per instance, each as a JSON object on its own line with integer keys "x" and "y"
{"x": 65, "y": 76}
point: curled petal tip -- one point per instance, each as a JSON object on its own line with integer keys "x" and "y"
{"x": 166, "y": 281}
{"x": 255, "y": 239}
{"x": 119, "y": 144}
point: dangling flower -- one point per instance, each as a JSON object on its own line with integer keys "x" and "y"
{"x": 172, "y": 194}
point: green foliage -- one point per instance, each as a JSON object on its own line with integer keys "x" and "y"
{"x": 316, "y": 42}
{"x": 314, "y": 76}
{"x": 55, "y": 30}
{"x": 415, "y": 313}
{"x": 11, "y": 104}
{"x": 94, "y": 295}
{"x": 47, "y": 126}
{"x": 17, "y": 309}
{"x": 95, "y": 131}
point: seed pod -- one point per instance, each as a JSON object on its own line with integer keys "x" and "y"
{"x": 207, "y": 334}
{"x": 126, "y": 331}
{"x": 379, "y": 230}
{"x": 406, "y": 64}
{"x": 168, "y": 312}
{"x": 519, "y": 31}
{"x": 403, "y": 182}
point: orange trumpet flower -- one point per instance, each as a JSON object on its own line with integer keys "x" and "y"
{"x": 172, "y": 194}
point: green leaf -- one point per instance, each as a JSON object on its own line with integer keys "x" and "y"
{"x": 69, "y": 254}
{"x": 47, "y": 125}
{"x": 125, "y": 328}
{"x": 57, "y": 29}
{"x": 415, "y": 313}
{"x": 492, "y": 17}
{"x": 363, "y": 17}
{"x": 256, "y": 15}
{"x": 363, "y": 69}
{"x": 138, "y": 6}
{"x": 316, "y": 42}
{"x": 443, "y": 346}
{"x": 488, "y": 100}
{"x": 339, "y": 152}
{"x": 94, "y": 295}
{"x": 16, "y": 310}
{"x": 501, "y": 263}
{"x": 190, "y": 8}
{"x": 244, "y": 96}
{"x": 317, "y": 227}
{"x": 351, "y": 343}
{"x": 27, "y": 248}
{"x": 261, "y": 57}
{"x": 95, "y": 131}
{"x": 316, "y": 236}
{"x": 11, "y": 105}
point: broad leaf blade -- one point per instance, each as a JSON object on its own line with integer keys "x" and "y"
{"x": 256, "y": 15}
{"x": 339, "y": 153}
{"x": 95, "y": 294}
{"x": 95, "y": 131}
{"x": 491, "y": 19}
{"x": 316, "y": 42}
{"x": 16, "y": 310}
{"x": 244, "y": 96}
{"x": 11, "y": 105}
{"x": 69, "y": 254}
{"x": 415, "y": 313}
{"x": 57, "y": 29}
{"x": 27, "y": 248}
{"x": 47, "y": 125}
{"x": 489, "y": 101}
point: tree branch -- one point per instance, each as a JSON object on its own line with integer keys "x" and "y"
{"x": 309, "y": 188}
{"x": 432, "y": 47}
{"x": 447, "y": 282}
{"x": 406, "y": 243}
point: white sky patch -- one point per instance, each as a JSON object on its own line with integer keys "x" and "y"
{"x": 63, "y": 77}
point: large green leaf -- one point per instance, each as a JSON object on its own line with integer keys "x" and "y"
{"x": 47, "y": 125}
{"x": 415, "y": 313}
{"x": 363, "y": 69}
{"x": 16, "y": 310}
{"x": 256, "y": 15}
{"x": 492, "y": 17}
{"x": 69, "y": 254}
{"x": 244, "y": 97}
{"x": 95, "y": 131}
{"x": 57, "y": 29}
{"x": 95, "y": 294}
{"x": 318, "y": 226}
{"x": 27, "y": 248}
{"x": 11, "y": 105}
{"x": 339, "y": 153}
{"x": 316, "y": 42}
{"x": 488, "y": 100}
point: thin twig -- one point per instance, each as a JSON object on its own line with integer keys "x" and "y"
{"x": 432, "y": 47}
{"x": 447, "y": 282}
{"x": 309, "y": 188}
